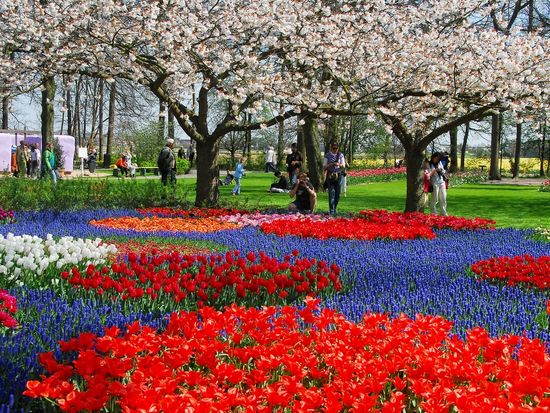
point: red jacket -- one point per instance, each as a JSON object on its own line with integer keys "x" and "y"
{"x": 426, "y": 180}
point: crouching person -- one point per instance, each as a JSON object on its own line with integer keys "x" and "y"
{"x": 306, "y": 198}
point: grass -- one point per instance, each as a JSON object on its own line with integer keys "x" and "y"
{"x": 509, "y": 205}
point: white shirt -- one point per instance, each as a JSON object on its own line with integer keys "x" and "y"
{"x": 270, "y": 155}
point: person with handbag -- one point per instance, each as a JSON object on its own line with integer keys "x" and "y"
{"x": 437, "y": 181}
{"x": 333, "y": 166}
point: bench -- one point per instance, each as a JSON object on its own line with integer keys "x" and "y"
{"x": 142, "y": 170}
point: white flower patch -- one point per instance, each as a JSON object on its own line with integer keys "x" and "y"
{"x": 541, "y": 233}
{"x": 27, "y": 255}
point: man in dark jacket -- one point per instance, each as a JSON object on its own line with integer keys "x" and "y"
{"x": 167, "y": 163}
{"x": 294, "y": 162}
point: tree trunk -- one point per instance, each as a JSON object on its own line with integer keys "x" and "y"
{"x": 76, "y": 117}
{"x": 313, "y": 153}
{"x": 100, "y": 116}
{"x": 281, "y": 141}
{"x": 171, "y": 132}
{"x": 69, "y": 111}
{"x": 5, "y": 112}
{"x": 232, "y": 149}
{"x": 111, "y": 125}
{"x": 542, "y": 147}
{"x": 531, "y": 15}
{"x": 464, "y": 146}
{"x": 453, "y": 135}
{"x": 162, "y": 121}
{"x": 350, "y": 154}
{"x": 95, "y": 108}
{"x": 415, "y": 177}
{"x": 47, "y": 115}
{"x": 517, "y": 152}
{"x": 208, "y": 194}
{"x": 82, "y": 138}
{"x": 300, "y": 141}
{"x": 331, "y": 131}
{"x": 494, "y": 171}
{"x": 249, "y": 142}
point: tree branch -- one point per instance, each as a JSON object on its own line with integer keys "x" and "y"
{"x": 476, "y": 114}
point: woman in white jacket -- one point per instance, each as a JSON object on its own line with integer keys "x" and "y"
{"x": 437, "y": 180}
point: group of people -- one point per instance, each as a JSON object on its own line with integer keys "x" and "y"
{"x": 436, "y": 183}
{"x": 334, "y": 171}
{"x": 190, "y": 155}
{"x": 125, "y": 166}
{"x": 25, "y": 160}
{"x": 297, "y": 185}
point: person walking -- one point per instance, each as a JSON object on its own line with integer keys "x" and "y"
{"x": 294, "y": 162}
{"x": 166, "y": 163}
{"x": 50, "y": 163}
{"x": 437, "y": 180}
{"x": 238, "y": 174}
{"x": 191, "y": 154}
{"x": 333, "y": 165}
{"x": 21, "y": 155}
{"x": 269, "y": 160}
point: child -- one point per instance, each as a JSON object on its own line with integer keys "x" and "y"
{"x": 239, "y": 172}
{"x": 228, "y": 179}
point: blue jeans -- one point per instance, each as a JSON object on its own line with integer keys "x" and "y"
{"x": 333, "y": 194}
{"x": 237, "y": 188}
{"x": 55, "y": 175}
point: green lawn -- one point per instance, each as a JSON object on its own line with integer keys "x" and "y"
{"x": 510, "y": 206}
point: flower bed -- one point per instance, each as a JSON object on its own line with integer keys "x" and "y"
{"x": 470, "y": 177}
{"x": 278, "y": 359}
{"x": 432, "y": 221}
{"x": 346, "y": 228}
{"x": 190, "y": 213}
{"x": 519, "y": 270}
{"x": 6, "y": 217}
{"x": 257, "y": 218}
{"x": 31, "y": 260}
{"x": 360, "y": 176}
{"x": 542, "y": 234}
{"x": 45, "y": 318}
{"x": 149, "y": 247}
{"x": 157, "y": 224}
{"x": 8, "y": 308}
{"x": 545, "y": 187}
{"x": 417, "y": 276}
{"x": 172, "y": 281}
